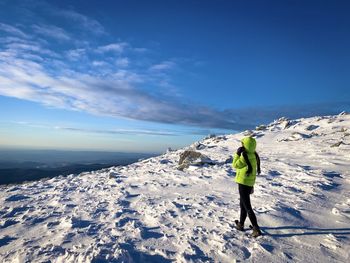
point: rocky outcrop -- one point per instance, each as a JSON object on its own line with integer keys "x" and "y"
{"x": 191, "y": 157}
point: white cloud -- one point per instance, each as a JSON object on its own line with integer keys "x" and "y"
{"x": 87, "y": 23}
{"x": 140, "y": 49}
{"x": 115, "y": 47}
{"x": 36, "y": 48}
{"x": 12, "y": 30}
{"x": 165, "y": 65}
{"x": 51, "y": 31}
{"x": 97, "y": 63}
{"x": 122, "y": 62}
{"x": 75, "y": 54}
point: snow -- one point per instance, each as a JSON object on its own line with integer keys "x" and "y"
{"x": 151, "y": 211}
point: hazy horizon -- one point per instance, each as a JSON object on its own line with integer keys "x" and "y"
{"x": 59, "y": 157}
{"x": 32, "y": 148}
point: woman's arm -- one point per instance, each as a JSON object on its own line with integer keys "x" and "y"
{"x": 238, "y": 162}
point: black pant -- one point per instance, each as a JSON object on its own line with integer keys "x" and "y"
{"x": 246, "y": 207}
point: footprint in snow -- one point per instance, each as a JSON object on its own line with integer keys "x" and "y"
{"x": 125, "y": 211}
{"x": 264, "y": 209}
{"x": 6, "y": 240}
{"x": 131, "y": 196}
{"x": 52, "y": 225}
{"x": 147, "y": 233}
{"x": 35, "y": 220}
{"x": 328, "y": 185}
{"x": 332, "y": 174}
{"x": 126, "y": 220}
{"x": 12, "y": 189}
{"x": 294, "y": 190}
{"x": 341, "y": 209}
{"x": 124, "y": 203}
{"x": 17, "y": 197}
{"x": 273, "y": 173}
{"x": 331, "y": 242}
{"x": 8, "y": 223}
{"x": 17, "y": 211}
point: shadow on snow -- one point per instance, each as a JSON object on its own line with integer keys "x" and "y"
{"x": 307, "y": 231}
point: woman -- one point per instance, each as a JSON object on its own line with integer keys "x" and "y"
{"x": 247, "y": 164}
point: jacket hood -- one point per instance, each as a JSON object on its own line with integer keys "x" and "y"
{"x": 249, "y": 144}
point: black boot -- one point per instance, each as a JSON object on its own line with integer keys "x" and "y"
{"x": 256, "y": 231}
{"x": 239, "y": 226}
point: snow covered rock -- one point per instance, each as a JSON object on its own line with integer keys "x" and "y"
{"x": 209, "y": 136}
{"x": 337, "y": 144}
{"x": 200, "y": 146}
{"x": 190, "y": 157}
{"x": 296, "y": 136}
{"x": 344, "y": 113}
{"x": 311, "y": 127}
{"x": 261, "y": 127}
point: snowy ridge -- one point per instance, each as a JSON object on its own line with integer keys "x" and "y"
{"x": 150, "y": 211}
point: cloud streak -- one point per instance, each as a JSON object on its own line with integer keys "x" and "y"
{"x": 121, "y": 131}
{"x": 165, "y": 65}
{"x": 115, "y": 47}
{"x": 52, "y": 32}
{"x": 12, "y": 30}
{"x": 87, "y": 23}
{"x": 104, "y": 131}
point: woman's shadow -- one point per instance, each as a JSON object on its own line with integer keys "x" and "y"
{"x": 303, "y": 231}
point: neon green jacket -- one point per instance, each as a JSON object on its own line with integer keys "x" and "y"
{"x": 240, "y": 164}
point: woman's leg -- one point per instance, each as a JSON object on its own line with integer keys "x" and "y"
{"x": 243, "y": 212}
{"x": 244, "y": 193}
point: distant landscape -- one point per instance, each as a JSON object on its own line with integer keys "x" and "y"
{"x": 18, "y": 165}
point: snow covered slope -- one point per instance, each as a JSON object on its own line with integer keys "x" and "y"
{"x": 152, "y": 212}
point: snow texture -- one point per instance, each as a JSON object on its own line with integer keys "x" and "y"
{"x": 151, "y": 211}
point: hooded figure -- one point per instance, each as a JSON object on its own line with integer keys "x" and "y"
{"x": 247, "y": 164}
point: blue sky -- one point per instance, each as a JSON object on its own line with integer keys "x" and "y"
{"x": 146, "y": 75}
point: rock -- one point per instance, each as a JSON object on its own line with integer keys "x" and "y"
{"x": 210, "y": 136}
{"x": 296, "y": 136}
{"x": 248, "y": 133}
{"x": 200, "y": 146}
{"x": 282, "y": 119}
{"x": 190, "y": 157}
{"x": 311, "y": 127}
{"x": 286, "y": 124}
{"x": 337, "y": 144}
{"x": 343, "y": 113}
{"x": 315, "y": 134}
{"x": 283, "y": 123}
{"x": 113, "y": 175}
{"x": 261, "y": 128}
{"x": 220, "y": 138}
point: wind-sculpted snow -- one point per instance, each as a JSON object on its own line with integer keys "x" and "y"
{"x": 152, "y": 212}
